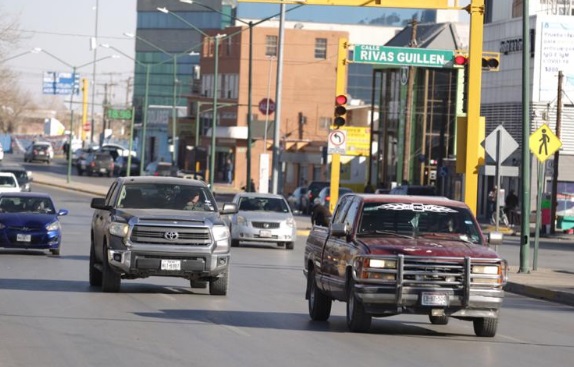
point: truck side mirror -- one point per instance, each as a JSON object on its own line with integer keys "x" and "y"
{"x": 495, "y": 238}
{"x": 339, "y": 229}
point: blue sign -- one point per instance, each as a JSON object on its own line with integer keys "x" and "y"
{"x": 60, "y": 83}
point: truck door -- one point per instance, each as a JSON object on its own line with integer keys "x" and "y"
{"x": 338, "y": 250}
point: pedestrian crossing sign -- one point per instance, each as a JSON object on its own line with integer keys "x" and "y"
{"x": 543, "y": 143}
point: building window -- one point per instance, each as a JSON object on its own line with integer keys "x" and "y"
{"x": 320, "y": 48}
{"x": 231, "y": 86}
{"x": 270, "y": 45}
{"x": 325, "y": 122}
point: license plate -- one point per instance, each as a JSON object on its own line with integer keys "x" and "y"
{"x": 23, "y": 237}
{"x": 170, "y": 265}
{"x": 265, "y": 234}
{"x": 434, "y": 299}
{"x": 102, "y": 170}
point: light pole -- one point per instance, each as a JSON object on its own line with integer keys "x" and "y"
{"x": 32, "y": 51}
{"x": 173, "y": 128}
{"x": 214, "y": 119}
{"x": 74, "y": 68}
{"x": 145, "y": 104}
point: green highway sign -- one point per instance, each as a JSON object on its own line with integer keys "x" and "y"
{"x": 114, "y": 114}
{"x": 402, "y": 56}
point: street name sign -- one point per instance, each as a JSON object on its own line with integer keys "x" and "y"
{"x": 402, "y": 56}
{"x": 543, "y": 143}
{"x": 60, "y": 83}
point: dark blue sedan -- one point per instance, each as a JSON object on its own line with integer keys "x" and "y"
{"x": 28, "y": 220}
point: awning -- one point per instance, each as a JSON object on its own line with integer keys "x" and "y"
{"x": 229, "y": 132}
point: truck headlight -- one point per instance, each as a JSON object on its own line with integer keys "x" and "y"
{"x": 485, "y": 269}
{"x": 383, "y": 264}
{"x": 119, "y": 229}
{"x": 290, "y": 222}
{"x": 221, "y": 238}
{"x": 241, "y": 220}
{"x": 54, "y": 226}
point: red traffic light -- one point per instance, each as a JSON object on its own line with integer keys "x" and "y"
{"x": 460, "y": 60}
{"x": 341, "y": 99}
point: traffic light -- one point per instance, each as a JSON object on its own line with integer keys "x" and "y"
{"x": 460, "y": 60}
{"x": 340, "y": 110}
{"x": 490, "y": 61}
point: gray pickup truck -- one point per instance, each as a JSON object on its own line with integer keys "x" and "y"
{"x": 390, "y": 254}
{"x": 159, "y": 226}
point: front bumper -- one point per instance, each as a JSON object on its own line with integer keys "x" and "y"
{"x": 140, "y": 263}
{"x": 248, "y": 233}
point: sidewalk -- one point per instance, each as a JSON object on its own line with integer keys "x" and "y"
{"x": 548, "y": 284}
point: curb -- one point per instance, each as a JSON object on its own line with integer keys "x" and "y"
{"x": 540, "y": 293}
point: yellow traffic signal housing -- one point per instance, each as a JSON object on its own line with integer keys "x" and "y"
{"x": 340, "y": 110}
{"x": 490, "y": 61}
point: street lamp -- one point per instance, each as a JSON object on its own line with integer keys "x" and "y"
{"x": 147, "y": 68}
{"x": 173, "y": 128}
{"x": 32, "y": 51}
{"x": 74, "y": 68}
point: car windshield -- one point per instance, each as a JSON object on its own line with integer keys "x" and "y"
{"x": 166, "y": 196}
{"x": 7, "y": 181}
{"x": 26, "y": 205}
{"x": 263, "y": 204}
{"x": 419, "y": 220}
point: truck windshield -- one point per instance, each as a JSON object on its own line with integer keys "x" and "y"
{"x": 166, "y": 196}
{"x": 419, "y": 220}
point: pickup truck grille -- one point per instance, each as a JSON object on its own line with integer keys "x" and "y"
{"x": 157, "y": 235}
{"x": 420, "y": 271}
{"x": 265, "y": 225}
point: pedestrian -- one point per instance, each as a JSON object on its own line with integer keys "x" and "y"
{"x": 492, "y": 194}
{"x": 510, "y": 206}
{"x": 229, "y": 167}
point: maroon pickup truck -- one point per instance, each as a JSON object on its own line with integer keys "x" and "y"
{"x": 389, "y": 254}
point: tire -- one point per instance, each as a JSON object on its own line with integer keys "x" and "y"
{"x": 289, "y": 245}
{"x": 55, "y": 251}
{"x": 111, "y": 281}
{"x": 358, "y": 321}
{"x": 485, "y": 327}
{"x": 438, "y": 320}
{"x": 218, "y": 286}
{"x": 198, "y": 284}
{"x": 95, "y": 273}
{"x": 319, "y": 303}
{"x": 234, "y": 243}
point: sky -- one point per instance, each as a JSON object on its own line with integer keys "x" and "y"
{"x": 65, "y": 28}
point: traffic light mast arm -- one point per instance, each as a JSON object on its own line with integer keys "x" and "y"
{"x": 340, "y": 89}
{"x": 474, "y": 150}
{"x": 411, "y": 4}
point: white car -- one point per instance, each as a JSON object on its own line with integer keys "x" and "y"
{"x": 263, "y": 218}
{"x": 8, "y": 182}
{"x": 1, "y": 153}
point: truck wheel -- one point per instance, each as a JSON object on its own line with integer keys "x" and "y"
{"x": 95, "y": 273}
{"x": 199, "y": 284}
{"x": 485, "y": 327}
{"x": 289, "y": 245}
{"x": 358, "y": 321}
{"x": 111, "y": 280}
{"x": 319, "y": 303}
{"x": 218, "y": 286}
{"x": 438, "y": 320}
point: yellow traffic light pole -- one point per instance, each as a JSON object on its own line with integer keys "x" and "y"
{"x": 340, "y": 88}
{"x": 474, "y": 151}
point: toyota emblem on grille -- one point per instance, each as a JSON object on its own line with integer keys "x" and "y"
{"x": 265, "y": 225}
{"x": 171, "y": 236}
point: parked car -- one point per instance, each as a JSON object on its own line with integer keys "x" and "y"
{"x": 30, "y": 221}
{"x": 116, "y": 150}
{"x": 418, "y": 190}
{"x": 1, "y": 152}
{"x": 39, "y": 151}
{"x": 121, "y": 164}
{"x": 312, "y": 191}
{"x": 263, "y": 218}
{"x": 23, "y": 176}
{"x": 295, "y": 200}
{"x": 158, "y": 168}
{"x": 8, "y": 182}
{"x": 320, "y": 213}
{"x": 96, "y": 163}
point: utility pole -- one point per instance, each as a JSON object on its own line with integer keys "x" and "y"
{"x": 556, "y": 154}
{"x": 128, "y": 91}
{"x": 408, "y": 112}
